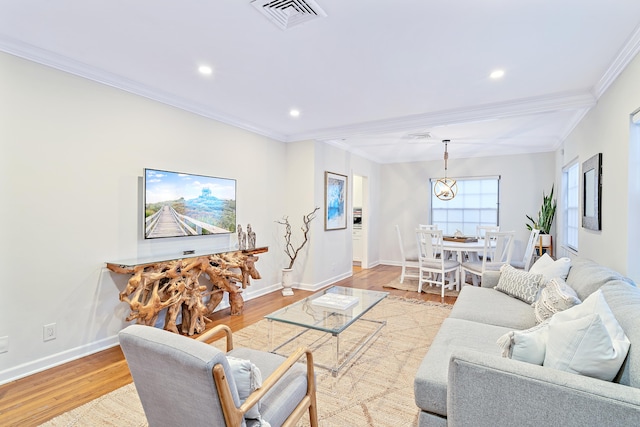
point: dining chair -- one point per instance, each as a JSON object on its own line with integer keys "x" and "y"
{"x": 481, "y": 230}
{"x": 183, "y": 381}
{"x": 433, "y": 267}
{"x": 525, "y": 264}
{"x": 428, "y": 226}
{"x": 498, "y": 246}
{"x": 410, "y": 264}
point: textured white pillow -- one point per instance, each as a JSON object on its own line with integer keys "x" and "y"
{"x": 587, "y": 339}
{"x": 248, "y": 378}
{"x": 549, "y": 268}
{"x": 555, "y": 296}
{"x": 527, "y": 346}
{"x": 518, "y": 283}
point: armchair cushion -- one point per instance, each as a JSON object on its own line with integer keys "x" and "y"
{"x": 248, "y": 379}
{"x": 282, "y": 398}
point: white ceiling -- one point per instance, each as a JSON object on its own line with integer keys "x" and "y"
{"x": 363, "y": 77}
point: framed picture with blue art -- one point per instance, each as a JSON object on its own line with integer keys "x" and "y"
{"x": 335, "y": 201}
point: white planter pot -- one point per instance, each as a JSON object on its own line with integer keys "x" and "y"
{"x": 287, "y": 282}
{"x": 545, "y": 240}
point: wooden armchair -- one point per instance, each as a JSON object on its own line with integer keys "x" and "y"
{"x": 185, "y": 381}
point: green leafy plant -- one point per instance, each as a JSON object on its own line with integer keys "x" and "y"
{"x": 545, "y": 215}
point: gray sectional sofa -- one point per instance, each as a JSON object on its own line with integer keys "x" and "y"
{"x": 464, "y": 381}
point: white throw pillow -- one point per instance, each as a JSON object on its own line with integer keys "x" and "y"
{"x": 527, "y": 346}
{"x": 587, "y": 339}
{"x": 518, "y": 283}
{"x": 549, "y": 268}
{"x": 248, "y": 378}
{"x": 555, "y": 296}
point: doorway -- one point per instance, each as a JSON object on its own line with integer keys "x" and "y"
{"x": 360, "y": 205}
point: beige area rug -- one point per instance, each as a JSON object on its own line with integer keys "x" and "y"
{"x": 374, "y": 389}
{"x": 410, "y": 284}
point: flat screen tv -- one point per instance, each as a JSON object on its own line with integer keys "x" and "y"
{"x": 181, "y": 204}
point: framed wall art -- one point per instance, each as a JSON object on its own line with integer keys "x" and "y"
{"x": 592, "y": 192}
{"x": 335, "y": 201}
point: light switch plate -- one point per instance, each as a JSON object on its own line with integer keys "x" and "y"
{"x": 4, "y": 344}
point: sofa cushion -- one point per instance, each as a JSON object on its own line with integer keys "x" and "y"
{"x": 486, "y": 305}
{"x": 586, "y": 276}
{"x": 555, "y": 296}
{"x": 587, "y": 339}
{"x": 528, "y": 346}
{"x": 430, "y": 385}
{"x": 624, "y": 301}
{"x": 519, "y": 284}
{"x": 551, "y": 268}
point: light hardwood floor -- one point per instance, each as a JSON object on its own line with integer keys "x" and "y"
{"x": 38, "y": 398}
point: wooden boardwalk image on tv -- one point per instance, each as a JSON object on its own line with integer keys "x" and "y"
{"x": 169, "y": 223}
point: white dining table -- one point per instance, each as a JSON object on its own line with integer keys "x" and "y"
{"x": 473, "y": 248}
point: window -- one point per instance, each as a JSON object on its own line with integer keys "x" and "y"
{"x": 475, "y": 204}
{"x": 571, "y": 211}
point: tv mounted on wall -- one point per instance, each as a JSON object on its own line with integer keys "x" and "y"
{"x": 181, "y": 204}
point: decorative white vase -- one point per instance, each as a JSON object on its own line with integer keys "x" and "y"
{"x": 287, "y": 282}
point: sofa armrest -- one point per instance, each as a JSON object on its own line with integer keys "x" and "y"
{"x": 490, "y": 279}
{"x": 487, "y": 390}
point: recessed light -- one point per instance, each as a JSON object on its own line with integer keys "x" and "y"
{"x": 497, "y": 74}
{"x": 294, "y": 113}
{"x": 205, "y": 70}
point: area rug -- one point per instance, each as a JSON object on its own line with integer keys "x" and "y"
{"x": 410, "y": 284}
{"x": 374, "y": 389}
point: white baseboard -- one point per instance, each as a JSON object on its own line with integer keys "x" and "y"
{"x": 24, "y": 370}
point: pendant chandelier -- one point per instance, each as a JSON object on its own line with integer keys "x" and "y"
{"x": 445, "y": 188}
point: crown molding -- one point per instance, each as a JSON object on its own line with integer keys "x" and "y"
{"x": 519, "y": 107}
{"x": 582, "y": 101}
{"x": 626, "y": 55}
{"x": 62, "y": 63}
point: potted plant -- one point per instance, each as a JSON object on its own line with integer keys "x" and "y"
{"x": 545, "y": 218}
{"x": 291, "y": 250}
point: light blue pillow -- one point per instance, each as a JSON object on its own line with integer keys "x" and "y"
{"x": 248, "y": 378}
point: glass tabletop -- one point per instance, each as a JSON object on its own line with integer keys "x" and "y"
{"x": 331, "y": 310}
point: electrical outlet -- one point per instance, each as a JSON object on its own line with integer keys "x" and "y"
{"x": 4, "y": 344}
{"x": 49, "y": 332}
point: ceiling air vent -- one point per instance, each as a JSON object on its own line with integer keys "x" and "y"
{"x": 287, "y": 13}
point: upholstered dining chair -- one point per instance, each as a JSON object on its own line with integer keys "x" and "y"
{"x": 498, "y": 246}
{"x": 183, "y": 381}
{"x": 525, "y": 264}
{"x": 410, "y": 264}
{"x": 433, "y": 266}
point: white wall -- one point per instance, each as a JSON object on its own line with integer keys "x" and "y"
{"x": 73, "y": 152}
{"x": 407, "y": 194}
{"x": 605, "y": 129}
{"x": 72, "y": 156}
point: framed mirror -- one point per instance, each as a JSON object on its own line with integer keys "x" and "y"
{"x": 592, "y": 192}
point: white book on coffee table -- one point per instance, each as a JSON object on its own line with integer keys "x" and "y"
{"x": 335, "y": 301}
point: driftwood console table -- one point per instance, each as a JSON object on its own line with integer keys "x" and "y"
{"x": 172, "y": 283}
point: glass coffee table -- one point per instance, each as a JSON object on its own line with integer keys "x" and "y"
{"x": 331, "y": 312}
